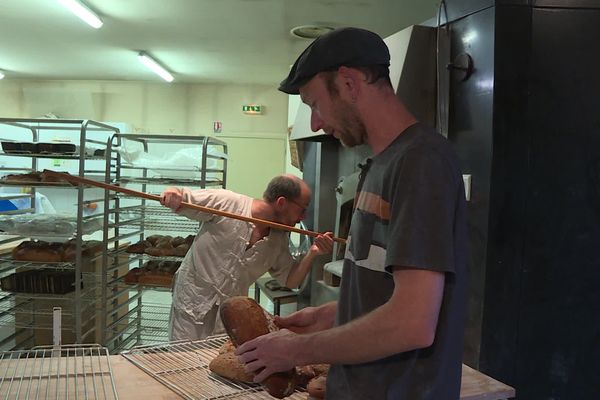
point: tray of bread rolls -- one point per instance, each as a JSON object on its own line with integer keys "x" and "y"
{"x": 34, "y": 179}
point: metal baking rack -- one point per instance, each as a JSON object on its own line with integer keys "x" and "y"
{"x": 62, "y": 372}
{"x": 129, "y": 219}
{"x": 183, "y": 367}
{"x": 174, "y": 181}
{"x": 155, "y": 217}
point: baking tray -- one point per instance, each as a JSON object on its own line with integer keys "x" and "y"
{"x": 183, "y": 367}
{"x": 35, "y": 183}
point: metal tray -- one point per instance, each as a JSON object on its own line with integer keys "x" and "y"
{"x": 183, "y": 367}
{"x": 64, "y": 372}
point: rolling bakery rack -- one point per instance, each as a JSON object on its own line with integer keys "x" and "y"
{"x": 138, "y": 314}
{"x": 30, "y": 145}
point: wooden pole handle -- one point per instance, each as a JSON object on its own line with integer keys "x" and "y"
{"x": 120, "y": 189}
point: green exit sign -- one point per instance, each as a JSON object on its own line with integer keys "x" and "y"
{"x": 252, "y": 109}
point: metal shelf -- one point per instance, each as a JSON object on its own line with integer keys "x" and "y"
{"x": 134, "y": 217}
{"x": 30, "y": 311}
{"x": 138, "y": 256}
{"x": 7, "y": 264}
{"x": 183, "y": 367}
{"x": 58, "y": 156}
{"x": 87, "y": 294}
{"x": 58, "y": 372}
{"x": 172, "y": 181}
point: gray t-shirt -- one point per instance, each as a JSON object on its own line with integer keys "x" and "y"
{"x": 409, "y": 211}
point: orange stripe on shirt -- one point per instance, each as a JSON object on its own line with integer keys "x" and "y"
{"x": 373, "y": 204}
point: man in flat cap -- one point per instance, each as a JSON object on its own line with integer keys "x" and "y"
{"x": 397, "y": 330}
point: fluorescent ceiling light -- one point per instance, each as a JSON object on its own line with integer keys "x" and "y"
{"x": 155, "y": 66}
{"x": 1, "y": 74}
{"x": 82, "y": 12}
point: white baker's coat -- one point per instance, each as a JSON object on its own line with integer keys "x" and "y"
{"x": 218, "y": 266}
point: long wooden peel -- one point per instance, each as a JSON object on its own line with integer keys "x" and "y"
{"x": 120, "y": 189}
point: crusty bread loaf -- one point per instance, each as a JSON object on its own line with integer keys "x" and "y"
{"x": 35, "y": 177}
{"x": 158, "y": 251}
{"x": 153, "y": 272}
{"x": 245, "y": 320}
{"x": 139, "y": 247}
{"x": 177, "y": 241}
{"x": 308, "y": 372}
{"x": 227, "y": 347}
{"x": 153, "y": 239}
{"x": 316, "y": 387}
{"x": 41, "y": 251}
{"x": 132, "y": 276}
{"x": 156, "y": 279}
{"x": 89, "y": 248}
{"x": 31, "y": 177}
{"x": 181, "y": 250}
{"x": 38, "y": 251}
{"x": 228, "y": 366}
{"x": 161, "y": 246}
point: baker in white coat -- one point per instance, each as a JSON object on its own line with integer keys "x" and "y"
{"x": 228, "y": 255}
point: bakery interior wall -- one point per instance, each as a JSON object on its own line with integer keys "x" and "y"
{"x": 256, "y": 143}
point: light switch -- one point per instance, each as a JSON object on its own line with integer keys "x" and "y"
{"x": 467, "y": 181}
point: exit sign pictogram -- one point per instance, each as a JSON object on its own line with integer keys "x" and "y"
{"x": 252, "y": 109}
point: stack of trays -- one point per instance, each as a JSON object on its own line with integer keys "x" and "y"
{"x": 47, "y": 148}
{"x": 41, "y": 281}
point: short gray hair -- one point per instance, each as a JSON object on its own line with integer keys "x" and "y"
{"x": 282, "y": 186}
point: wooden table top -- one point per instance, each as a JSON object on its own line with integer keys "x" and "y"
{"x": 133, "y": 383}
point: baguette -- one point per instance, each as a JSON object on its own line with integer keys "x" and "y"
{"x": 245, "y": 320}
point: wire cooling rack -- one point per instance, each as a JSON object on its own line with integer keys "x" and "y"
{"x": 63, "y": 372}
{"x": 183, "y": 367}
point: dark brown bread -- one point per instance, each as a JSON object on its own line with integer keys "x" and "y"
{"x": 245, "y": 320}
{"x": 39, "y": 251}
{"x": 42, "y": 251}
{"x": 139, "y": 247}
{"x": 308, "y": 372}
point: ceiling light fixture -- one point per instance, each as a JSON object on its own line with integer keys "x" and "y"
{"x": 155, "y": 66}
{"x": 82, "y": 12}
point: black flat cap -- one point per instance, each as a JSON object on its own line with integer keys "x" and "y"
{"x": 350, "y": 47}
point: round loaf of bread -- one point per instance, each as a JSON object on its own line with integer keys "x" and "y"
{"x": 177, "y": 240}
{"x": 227, "y": 365}
{"x": 139, "y": 247}
{"x": 245, "y": 320}
{"x": 316, "y": 387}
{"x": 158, "y": 251}
{"x": 181, "y": 250}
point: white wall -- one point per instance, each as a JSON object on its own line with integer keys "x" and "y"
{"x": 257, "y": 143}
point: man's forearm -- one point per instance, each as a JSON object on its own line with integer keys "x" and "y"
{"x": 299, "y": 271}
{"x": 368, "y": 338}
{"x": 407, "y": 321}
